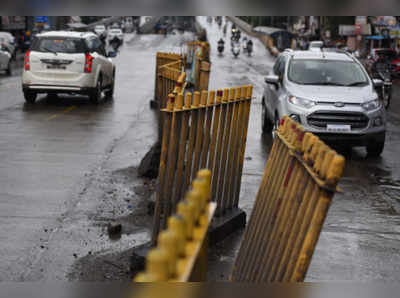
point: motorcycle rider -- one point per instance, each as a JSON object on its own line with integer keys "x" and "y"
{"x": 382, "y": 69}
{"x": 249, "y": 46}
{"x": 221, "y": 44}
{"x": 380, "y": 66}
{"x": 244, "y": 43}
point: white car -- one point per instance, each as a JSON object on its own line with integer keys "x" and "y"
{"x": 8, "y": 40}
{"x": 115, "y": 33}
{"x": 5, "y": 60}
{"x": 68, "y": 62}
{"x": 100, "y": 30}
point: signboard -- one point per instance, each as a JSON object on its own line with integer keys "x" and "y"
{"x": 350, "y": 30}
{"x": 386, "y": 21}
{"x": 361, "y": 20}
{"x": 41, "y": 19}
{"x": 13, "y": 22}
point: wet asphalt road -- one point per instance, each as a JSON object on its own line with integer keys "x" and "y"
{"x": 69, "y": 169}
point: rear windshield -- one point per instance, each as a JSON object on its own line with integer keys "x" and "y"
{"x": 59, "y": 45}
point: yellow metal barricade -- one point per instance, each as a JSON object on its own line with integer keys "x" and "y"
{"x": 299, "y": 182}
{"x": 202, "y": 130}
{"x": 181, "y": 252}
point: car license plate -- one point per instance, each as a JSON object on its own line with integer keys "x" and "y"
{"x": 55, "y": 66}
{"x": 338, "y": 128}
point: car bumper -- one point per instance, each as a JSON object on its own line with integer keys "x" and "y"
{"x": 64, "y": 81}
{"x": 352, "y": 139}
{"x": 37, "y": 88}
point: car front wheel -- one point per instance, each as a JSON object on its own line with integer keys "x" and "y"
{"x": 375, "y": 148}
{"x": 266, "y": 124}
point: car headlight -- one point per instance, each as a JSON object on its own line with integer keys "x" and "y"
{"x": 302, "y": 102}
{"x": 371, "y": 105}
{"x": 398, "y": 63}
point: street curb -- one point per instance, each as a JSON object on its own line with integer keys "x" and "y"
{"x": 221, "y": 227}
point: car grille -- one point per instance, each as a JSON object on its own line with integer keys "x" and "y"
{"x": 322, "y": 119}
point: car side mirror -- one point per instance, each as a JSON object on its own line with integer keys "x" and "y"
{"x": 273, "y": 80}
{"x": 377, "y": 83}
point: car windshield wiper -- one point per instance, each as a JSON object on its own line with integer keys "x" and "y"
{"x": 324, "y": 84}
{"x": 51, "y": 51}
{"x": 357, "y": 84}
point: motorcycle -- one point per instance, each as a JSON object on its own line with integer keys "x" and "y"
{"x": 386, "y": 89}
{"x": 220, "y": 48}
{"x": 236, "y": 50}
{"x": 244, "y": 44}
{"x": 249, "y": 49}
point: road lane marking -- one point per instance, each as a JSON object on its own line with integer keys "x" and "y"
{"x": 69, "y": 109}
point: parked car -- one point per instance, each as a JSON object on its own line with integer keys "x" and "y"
{"x": 7, "y": 40}
{"x": 5, "y": 60}
{"x": 100, "y": 30}
{"x": 390, "y": 54}
{"x": 67, "y": 62}
{"x": 330, "y": 94}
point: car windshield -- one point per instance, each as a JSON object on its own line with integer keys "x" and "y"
{"x": 326, "y": 72}
{"x": 59, "y": 45}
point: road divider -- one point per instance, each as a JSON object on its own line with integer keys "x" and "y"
{"x": 181, "y": 252}
{"x": 204, "y": 130}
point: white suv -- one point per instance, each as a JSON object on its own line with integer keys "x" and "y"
{"x": 330, "y": 94}
{"x": 67, "y": 62}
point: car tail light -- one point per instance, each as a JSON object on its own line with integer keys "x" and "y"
{"x": 88, "y": 63}
{"x": 27, "y": 64}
